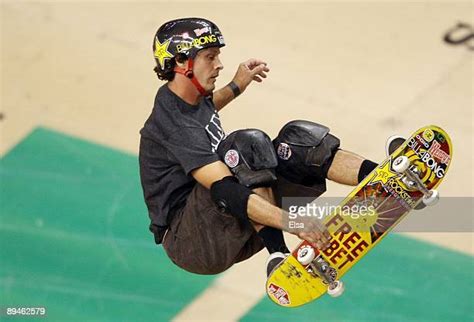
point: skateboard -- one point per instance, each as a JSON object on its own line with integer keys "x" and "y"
{"x": 408, "y": 177}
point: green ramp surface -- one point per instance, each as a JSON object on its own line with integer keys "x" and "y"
{"x": 74, "y": 236}
{"x": 402, "y": 279}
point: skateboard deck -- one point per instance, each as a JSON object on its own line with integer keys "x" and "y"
{"x": 386, "y": 195}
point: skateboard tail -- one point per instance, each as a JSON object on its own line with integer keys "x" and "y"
{"x": 292, "y": 276}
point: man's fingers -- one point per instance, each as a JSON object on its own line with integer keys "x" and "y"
{"x": 316, "y": 234}
{"x": 320, "y": 245}
{"x": 259, "y": 69}
{"x": 318, "y": 240}
{"x": 327, "y": 235}
{"x": 258, "y": 73}
{"x": 252, "y": 63}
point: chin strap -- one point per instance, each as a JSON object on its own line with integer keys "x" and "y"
{"x": 188, "y": 72}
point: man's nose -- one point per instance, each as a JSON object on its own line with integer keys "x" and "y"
{"x": 219, "y": 64}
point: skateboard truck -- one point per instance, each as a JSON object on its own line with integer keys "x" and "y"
{"x": 412, "y": 180}
{"x": 317, "y": 266}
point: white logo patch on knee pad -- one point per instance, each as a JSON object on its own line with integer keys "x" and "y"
{"x": 284, "y": 151}
{"x": 231, "y": 158}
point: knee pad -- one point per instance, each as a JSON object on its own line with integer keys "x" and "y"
{"x": 250, "y": 156}
{"x": 305, "y": 152}
{"x": 232, "y": 197}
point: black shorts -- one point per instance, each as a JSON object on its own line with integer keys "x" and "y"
{"x": 201, "y": 239}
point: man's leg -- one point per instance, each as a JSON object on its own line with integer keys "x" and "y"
{"x": 202, "y": 239}
{"x": 267, "y": 194}
{"x": 252, "y": 159}
{"x": 308, "y": 155}
{"x": 272, "y": 238}
{"x": 349, "y": 168}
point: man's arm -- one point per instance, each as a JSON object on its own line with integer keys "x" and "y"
{"x": 252, "y": 69}
{"x": 211, "y": 173}
{"x": 259, "y": 210}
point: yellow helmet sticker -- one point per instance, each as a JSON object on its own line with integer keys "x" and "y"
{"x": 161, "y": 51}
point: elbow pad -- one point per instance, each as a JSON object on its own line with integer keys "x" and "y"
{"x": 232, "y": 197}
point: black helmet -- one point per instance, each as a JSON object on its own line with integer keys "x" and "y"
{"x": 182, "y": 39}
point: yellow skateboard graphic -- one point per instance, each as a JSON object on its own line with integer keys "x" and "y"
{"x": 406, "y": 178}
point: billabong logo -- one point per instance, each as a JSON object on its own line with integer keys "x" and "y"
{"x": 196, "y": 42}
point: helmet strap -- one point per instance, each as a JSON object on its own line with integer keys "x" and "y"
{"x": 188, "y": 72}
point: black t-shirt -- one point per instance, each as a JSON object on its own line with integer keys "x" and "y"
{"x": 176, "y": 139}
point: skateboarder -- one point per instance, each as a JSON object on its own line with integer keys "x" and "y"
{"x": 215, "y": 200}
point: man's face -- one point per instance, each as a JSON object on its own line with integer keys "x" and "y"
{"x": 207, "y": 66}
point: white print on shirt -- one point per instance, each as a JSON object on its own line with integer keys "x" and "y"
{"x": 215, "y": 132}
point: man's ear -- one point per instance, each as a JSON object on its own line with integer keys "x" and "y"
{"x": 181, "y": 60}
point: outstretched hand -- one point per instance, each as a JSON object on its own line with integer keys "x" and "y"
{"x": 250, "y": 70}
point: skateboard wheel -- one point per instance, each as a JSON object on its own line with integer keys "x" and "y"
{"x": 306, "y": 255}
{"x": 336, "y": 289}
{"x": 432, "y": 199}
{"x": 401, "y": 164}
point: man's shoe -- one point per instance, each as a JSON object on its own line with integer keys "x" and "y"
{"x": 273, "y": 260}
{"x": 393, "y": 143}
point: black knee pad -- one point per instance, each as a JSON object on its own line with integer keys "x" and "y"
{"x": 305, "y": 152}
{"x": 250, "y": 156}
{"x": 232, "y": 197}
